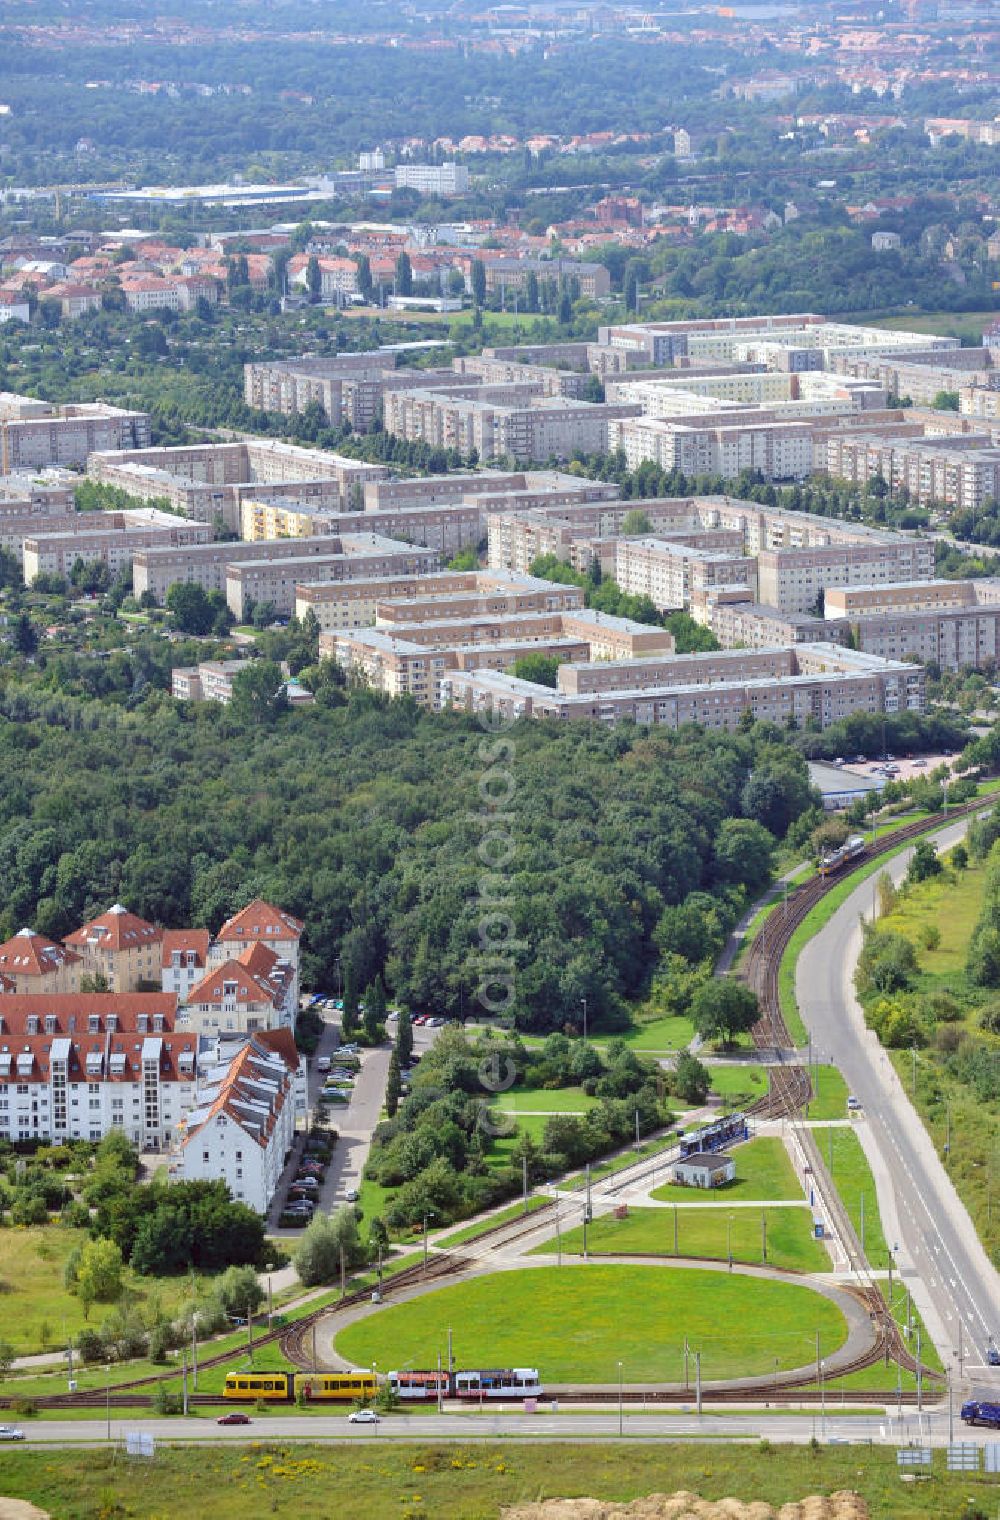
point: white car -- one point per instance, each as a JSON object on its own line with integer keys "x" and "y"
{"x": 363, "y": 1417}
{"x": 352, "y": 1195}
{"x": 11, "y": 1433}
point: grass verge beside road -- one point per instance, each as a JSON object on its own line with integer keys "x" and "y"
{"x": 852, "y": 1177}
{"x": 470, "y": 1481}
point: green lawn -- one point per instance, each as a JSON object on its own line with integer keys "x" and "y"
{"x": 562, "y": 1100}
{"x": 954, "y": 324}
{"x": 852, "y": 1176}
{"x": 763, "y": 1171}
{"x": 576, "y": 1323}
{"x": 38, "y": 1311}
{"x": 740, "y": 1083}
{"x": 659, "y": 1034}
{"x": 829, "y": 1099}
{"x": 473, "y": 1481}
{"x": 703, "y": 1233}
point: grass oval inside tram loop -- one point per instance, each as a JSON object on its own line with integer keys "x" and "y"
{"x": 575, "y": 1324}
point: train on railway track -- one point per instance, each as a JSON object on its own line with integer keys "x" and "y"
{"x": 715, "y": 1137}
{"x": 497, "y": 1383}
{"x": 313, "y": 1387}
{"x": 851, "y": 850}
{"x": 287, "y": 1387}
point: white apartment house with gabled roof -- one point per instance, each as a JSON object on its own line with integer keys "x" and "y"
{"x": 242, "y": 1123}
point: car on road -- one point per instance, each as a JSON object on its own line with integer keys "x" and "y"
{"x": 435, "y": 1023}
{"x": 362, "y": 1417}
{"x": 323, "y": 1064}
{"x": 392, "y": 1015}
{"x": 233, "y": 1418}
{"x": 853, "y": 1103}
{"x": 11, "y": 1433}
{"x": 352, "y": 1195}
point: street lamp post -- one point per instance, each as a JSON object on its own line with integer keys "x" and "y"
{"x": 107, "y": 1395}
{"x": 621, "y": 1405}
{"x": 822, "y": 1395}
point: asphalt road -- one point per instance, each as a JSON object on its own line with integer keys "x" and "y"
{"x": 937, "y": 1241}
{"x": 878, "y": 1426}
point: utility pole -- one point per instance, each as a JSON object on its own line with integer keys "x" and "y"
{"x": 697, "y": 1378}
{"x": 184, "y": 1380}
{"x": 588, "y": 1211}
{"x": 250, "y": 1334}
{"x": 687, "y": 1378}
{"x": 913, "y": 1084}
{"x": 763, "y": 1236}
{"x": 637, "y": 1129}
{"x": 194, "y": 1352}
{"x": 920, "y": 1381}
{"x": 451, "y": 1358}
{"x": 558, "y": 1237}
{"x": 584, "y": 1002}
{"x": 676, "y": 1251}
{"x": 585, "y": 1236}
{"x": 107, "y": 1395}
{"x": 817, "y": 1355}
{"x": 343, "y": 1269}
{"x": 862, "y": 1224}
{"x": 524, "y": 1182}
{"x": 315, "y": 1362}
{"x": 961, "y": 1353}
{"x": 440, "y": 1404}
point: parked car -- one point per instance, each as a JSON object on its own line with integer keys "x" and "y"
{"x": 362, "y": 1417}
{"x": 307, "y": 1182}
{"x": 352, "y": 1195}
{"x": 11, "y": 1433}
{"x": 323, "y": 1064}
{"x": 233, "y": 1418}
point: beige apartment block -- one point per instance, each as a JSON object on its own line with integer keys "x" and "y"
{"x": 253, "y": 582}
{"x": 209, "y": 481}
{"x": 37, "y": 434}
{"x": 31, "y": 963}
{"x": 792, "y": 579}
{"x": 909, "y": 596}
{"x": 400, "y": 667}
{"x": 670, "y": 574}
{"x": 811, "y": 683}
{"x": 107, "y": 538}
{"x": 955, "y": 639}
{"x": 753, "y": 625}
{"x": 120, "y": 947}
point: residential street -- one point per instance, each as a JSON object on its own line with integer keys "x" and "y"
{"x": 943, "y": 1263}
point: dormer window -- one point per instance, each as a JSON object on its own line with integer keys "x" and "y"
{"x": 94, "y": 1024}
{"x": 142, "y": 1023}
{"x": 32, "y": 1023}
{"x": 51, "y": 1023}
{"x": 157, "y": 1023}
{"x": 112, "y": 1023}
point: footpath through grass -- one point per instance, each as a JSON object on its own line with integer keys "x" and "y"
{"x": 472, "y": 1481}
{"x": 576, "y": 1323}
{"x": 706, "y": 1233}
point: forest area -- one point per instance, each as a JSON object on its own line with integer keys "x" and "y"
{"x": 362, "y": 819}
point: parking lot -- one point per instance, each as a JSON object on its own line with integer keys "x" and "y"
{"x": 354, "y": 1121}
{"x": 901, "y": 768}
